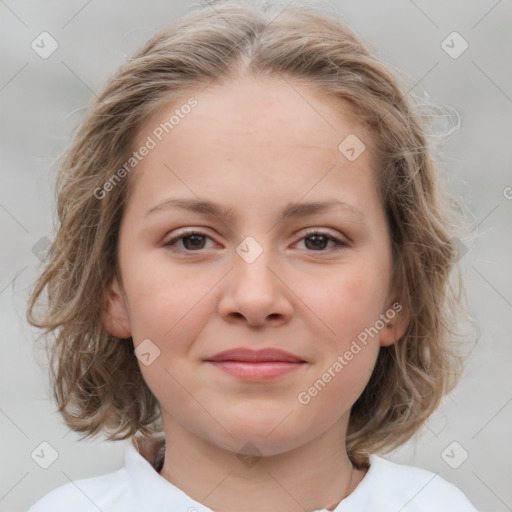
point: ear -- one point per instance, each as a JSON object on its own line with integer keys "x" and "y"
{"x": 397, "y": 319}
{"x": 115, "y": 315}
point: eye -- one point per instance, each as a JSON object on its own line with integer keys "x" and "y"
{"x": 193, "y": 241}
{"x": 189, "y": 241}
{"x": 318, "y": 241}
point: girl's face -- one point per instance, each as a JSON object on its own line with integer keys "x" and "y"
{"x": 249, "y": 229}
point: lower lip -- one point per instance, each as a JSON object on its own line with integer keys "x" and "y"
{"x": 256, "y": 371}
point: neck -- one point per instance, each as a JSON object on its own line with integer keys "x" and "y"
{"x": 315, "y": 476}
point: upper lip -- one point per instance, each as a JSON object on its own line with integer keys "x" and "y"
{"x": 257, "y": 356}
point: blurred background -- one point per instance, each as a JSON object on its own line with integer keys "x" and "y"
{"x": 56, "y": 55}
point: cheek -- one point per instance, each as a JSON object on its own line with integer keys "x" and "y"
{"x": 171, "y": 311}
{"x": 336, "y": 386}
{"x": 350, "y": 299}
{"x": 164, "y": 297}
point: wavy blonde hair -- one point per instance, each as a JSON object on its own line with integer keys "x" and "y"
{"x": 95, "y": 378}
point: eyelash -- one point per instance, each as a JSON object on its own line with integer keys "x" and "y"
{"x": 171, "y": 244}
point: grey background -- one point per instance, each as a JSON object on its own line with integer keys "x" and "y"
{"x": 42, "y": 100}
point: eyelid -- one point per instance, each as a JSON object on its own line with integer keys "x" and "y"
{"x": 324, "y": 232}
{"x": 190, "y": 231}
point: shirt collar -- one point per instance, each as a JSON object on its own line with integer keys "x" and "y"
{"x": 144, "y": 459}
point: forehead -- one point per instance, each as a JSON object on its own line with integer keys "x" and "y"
{"x": 248, "y": 111}
{"x": 280, "y": 99}
{"x": 260, "y": 130}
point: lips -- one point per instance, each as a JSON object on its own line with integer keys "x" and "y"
{"x": 256, "y": 356}
{"x": 256, "y": 365}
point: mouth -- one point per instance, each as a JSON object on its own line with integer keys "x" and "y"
{"x": 256, "y": 365}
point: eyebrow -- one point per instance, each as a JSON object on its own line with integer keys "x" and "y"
{"x": 292, "y": 210}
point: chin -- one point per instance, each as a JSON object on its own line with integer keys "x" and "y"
{"x": 264, "y": 438}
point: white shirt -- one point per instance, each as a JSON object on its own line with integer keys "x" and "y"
{"x": 138, "y": 487}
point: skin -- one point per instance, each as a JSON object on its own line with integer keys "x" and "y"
{"x": 255, "y": 145}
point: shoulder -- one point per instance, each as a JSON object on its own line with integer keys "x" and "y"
{"x": 110, "y": 492}
{"x": 389, "y": 486}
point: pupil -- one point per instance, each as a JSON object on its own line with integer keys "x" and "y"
{"x": 319, "y": 241}
{"x": 197, "y": 241}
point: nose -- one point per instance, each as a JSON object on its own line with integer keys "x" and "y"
{"x": 256, "y": 294}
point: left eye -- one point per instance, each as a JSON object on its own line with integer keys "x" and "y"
{"x": 318, "y": 241}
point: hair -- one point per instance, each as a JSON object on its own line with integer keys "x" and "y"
{"x": 95, "y": 377}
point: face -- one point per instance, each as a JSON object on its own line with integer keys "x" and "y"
{"x": 286, "y": 268}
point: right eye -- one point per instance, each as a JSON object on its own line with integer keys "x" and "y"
{"x": 190, "y": 241}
